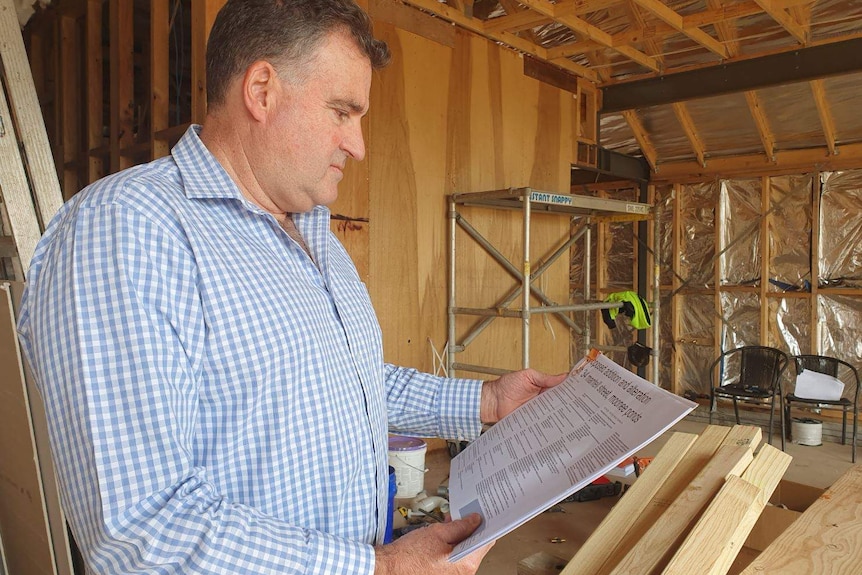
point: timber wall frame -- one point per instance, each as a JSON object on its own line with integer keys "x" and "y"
{"x": 104, "y": 80}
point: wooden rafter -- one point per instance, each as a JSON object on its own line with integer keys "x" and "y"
{"x": 507, "y": 38}
{"x": 584, "y": 28}
{"x": 642, "y": 137}
{"x": 675, "y": 21}
{"x": 787, "y": 22}
{"x": 637, "y": 22}
{"x": 721, "y": 13}
{"x": 688, "y": 127}
{"x": 516, "y": 21}
{"x": 766, "y": 137}
{"x": 825, "y": 114}
{"x": 726, "y": 31}
{"x": 512, "y": 7}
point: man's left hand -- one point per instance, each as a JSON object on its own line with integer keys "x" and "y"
{"x": 501, "y": 396}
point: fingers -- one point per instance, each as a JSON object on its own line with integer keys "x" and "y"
{"x": 456, "y": 531}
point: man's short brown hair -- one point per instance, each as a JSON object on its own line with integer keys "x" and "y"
{"x": 282, "y": 32}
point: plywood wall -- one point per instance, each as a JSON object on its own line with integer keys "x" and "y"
{"x": 455, "y": 114}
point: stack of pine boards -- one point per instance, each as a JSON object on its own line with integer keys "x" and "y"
{"x": 692, "y": 509}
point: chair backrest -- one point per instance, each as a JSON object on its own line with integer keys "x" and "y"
{"x": 837, "y": 368}
{"x": 760, "y": 367}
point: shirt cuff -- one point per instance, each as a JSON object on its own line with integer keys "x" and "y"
{"x": 460, "y": 401}
{"x": 337, "y": 555}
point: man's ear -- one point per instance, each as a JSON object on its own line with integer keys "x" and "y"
{"x": 259, "y": 87}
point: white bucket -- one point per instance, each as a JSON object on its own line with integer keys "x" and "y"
{"x": 407, "y": 456}
{"x": 806, "y": 431}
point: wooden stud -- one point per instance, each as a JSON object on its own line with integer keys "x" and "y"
{"x": 93, "y": 75}
{"x": 766, "y": 218}
{"x": 675, "y": 21}
{"x": 70, "y": 104}
{"x": 203, "y": 17}
{"x": 590, "y": 557}
{"x": 159, "y": 71}
{"x": 824, "y": 539}
{"x": 783, "y": 18}
{"x": 122, "y": 81}
{"x": 825, "y": 114}
{"x": 690, "y": 131}
{"x": 815, "y": 344}
{"x": 676, "y": 326}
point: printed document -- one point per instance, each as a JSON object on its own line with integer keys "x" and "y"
{"x": 555, "y": 444}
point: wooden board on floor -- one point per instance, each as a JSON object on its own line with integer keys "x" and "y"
{"x": 827, "y": 538}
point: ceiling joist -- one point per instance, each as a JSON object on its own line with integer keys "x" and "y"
{"x": 588, "y": 31}
{"x": 786, "y": 20}
{"x": 675, "y": 21}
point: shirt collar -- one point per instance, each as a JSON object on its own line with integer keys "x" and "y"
{"x": 204, "y": 177}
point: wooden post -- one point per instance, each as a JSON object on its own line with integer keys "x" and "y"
{"x": 95, "y": 101}
{"x": 122, "y": 81}
{"x": 765, "y": 194}
{"x": 815, "y": 266}
{"x": 203, "y": 16}
{"x": 675, "y": 301}
{"x": 159, "y": 70}
{"x": 70, "y": 104}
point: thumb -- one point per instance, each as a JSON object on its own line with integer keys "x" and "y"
{"x": 547, "y": 381}
{"x": 458, "y": 530}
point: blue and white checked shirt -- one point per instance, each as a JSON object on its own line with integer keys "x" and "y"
{"x": 217, "y": 402}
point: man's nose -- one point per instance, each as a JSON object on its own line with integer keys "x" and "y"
{"x": 353, "y": 143}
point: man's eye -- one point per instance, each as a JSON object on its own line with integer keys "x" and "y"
{"x": 342, "y": 115}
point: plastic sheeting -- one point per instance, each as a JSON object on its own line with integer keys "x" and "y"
{"x": 740, "y": 232}
{"x": 664, "y": 198}
{"x": 740, "y": 319}
{"x": 698, "y": 243}
{"x": 790, "y": 324}
{"x": 840, "y": 328}
{"x": 697, "y": 324}
{"x": 790, "y": 233}
{"x": 841, "y": 229}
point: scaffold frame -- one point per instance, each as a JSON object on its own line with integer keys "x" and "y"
{"x": 587, "y": 210}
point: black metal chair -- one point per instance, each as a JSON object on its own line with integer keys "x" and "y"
{"x": 849, "y": 401}
{"x": 752, "y": 374}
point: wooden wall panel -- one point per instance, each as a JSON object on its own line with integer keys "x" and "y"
{"x": 460, "y": 119}
{"x": 407, "y": 156}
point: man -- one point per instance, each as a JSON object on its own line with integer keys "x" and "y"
{"x": 210, "y": 361}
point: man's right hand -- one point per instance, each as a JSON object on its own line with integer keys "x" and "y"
{"x": 427, "y": 550}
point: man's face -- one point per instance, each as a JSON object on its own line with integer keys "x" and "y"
{"x": 316, "y": 126}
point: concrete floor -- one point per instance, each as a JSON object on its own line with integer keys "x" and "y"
{"x": 816, "y": 466}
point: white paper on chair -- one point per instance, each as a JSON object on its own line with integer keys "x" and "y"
{"x": 815, "y": 385}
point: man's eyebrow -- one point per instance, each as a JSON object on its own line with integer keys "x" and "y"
{"x": 352, "y": 105}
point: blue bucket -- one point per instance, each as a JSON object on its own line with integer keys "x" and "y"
{"x": 393, "y": 487}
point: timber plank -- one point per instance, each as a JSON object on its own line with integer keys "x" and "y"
{"x": 590, "y": 557}
{"x": 720, "y": 533}
{"x": 827, "y": 538}
{"x": 712, "y": 437}
{"x": 653, "y": 549}
{"x": 28, "y": 118}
